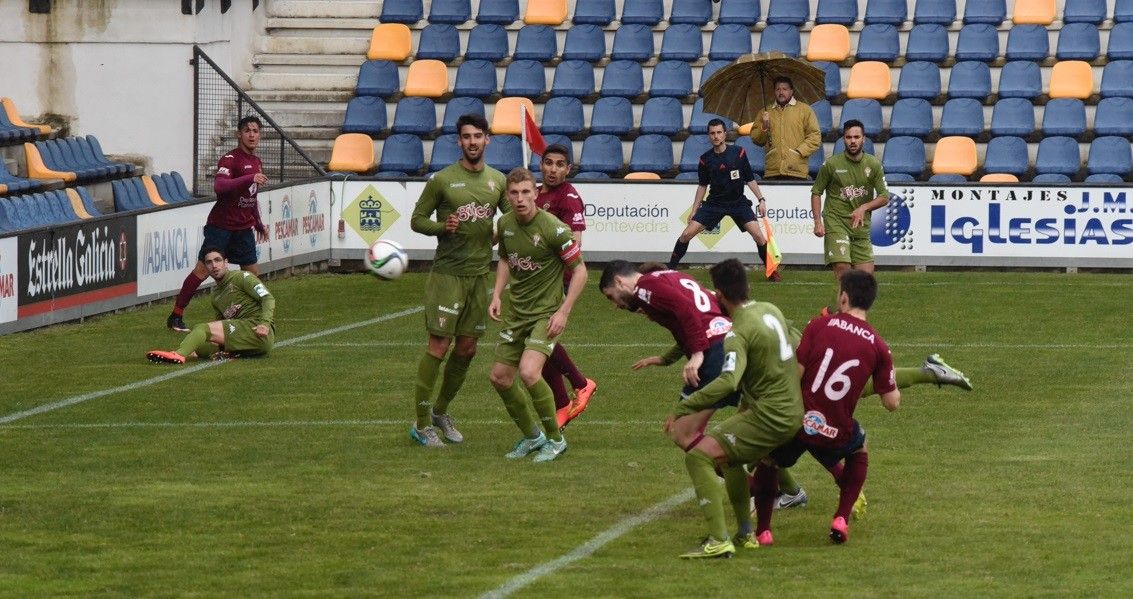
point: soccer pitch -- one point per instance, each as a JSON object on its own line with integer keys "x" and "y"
{"x": 295, "y": 474}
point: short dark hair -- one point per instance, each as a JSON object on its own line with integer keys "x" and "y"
{"x": 251, "y": 118}
{"x": 717, "y": 123}
{"x": 615, "y": 268}
{"x": 730, "y": 279}
{"x": 783, "y": 79}
{"x": 850, "y": 124}
{"x": 861, "y": 287}
{"x": 210, "y": 249}
{"x": 558, "y": 149}
{"x": 476, "y": 120}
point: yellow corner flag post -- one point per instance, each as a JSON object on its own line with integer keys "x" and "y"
{"x": 774, "y": 256}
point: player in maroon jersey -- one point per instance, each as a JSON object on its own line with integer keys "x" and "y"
{"x": 234, "y": 223}
{"x": 561, "y": 199}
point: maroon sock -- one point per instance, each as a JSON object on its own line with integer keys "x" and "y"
{"x": 562, "y": 361}
{"x": 554, "y": 378}
{"x": 852, "y": 482}
{"x": 836, "y": 471}
{"x": 188, "y": 288}
{"x": 765, "y": 488}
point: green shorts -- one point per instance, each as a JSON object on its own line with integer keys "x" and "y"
{"x": 746, "y": 440}
{"x": 240, "y": 338}
{"x": 456, "y": 306}
{"x": 514, "y": 339}
{"x": 843, "y": 244}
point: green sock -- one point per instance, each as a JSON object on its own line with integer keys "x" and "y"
{"x": 906, "y": 377}
{"x": 787, "y": 483}
{"x": 423, "y": 391}
{"x": 197, "y": 337}
{"x": 544, "y": 401}
{"x": 515, "y": 401}
{"x": 735, "y": 481}
{"x": 710, "y": 496}
{"x": 455, "y": 370}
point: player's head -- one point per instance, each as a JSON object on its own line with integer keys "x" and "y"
{"x": 521, "y": 192}
{"x": 717, "y": 133}
{"x": 784, "y": 90}
{"x": 853, "y": 134}
{"x": 555, "y": 165}
{"x": 248, "y": 131}
{"x": 730, "y": 280}
{"x": 216, "y": 263}
{"x": 858, "y": 290}
{"x": 472, "y": 135}
{"x": 617, "y": 283}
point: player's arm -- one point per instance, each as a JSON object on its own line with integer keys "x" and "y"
{"x": 570, "y": 252}
{"x": 735, "y": 360}
{"x": 422, "y": 220}
{"x": 224, "y": 183}
{"x": 701, "y": 188}
{"x": 816, "y": 191}
{"x": 502, "y": 275}
{"x": 880, "y": 199}
{"x": 255, "y": 288}
{"x": 885, "y": 377}
{"x": 666, "y": 298}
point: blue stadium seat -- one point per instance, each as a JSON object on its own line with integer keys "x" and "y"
{"x": 1052, "y": 179}
{"x": 642, "y": 12}
{"x": 698, "y": 122}
{"x": 1080, "y": 41}
{"x": 450, "y": 11}
{"x": 1064, "y": 116}
{"x": 10, "y": 133}
{"x": 886, "y": 12}
{"x": 525, "y": 78}
{"x": 927, "y": 42}
{"x": 1084, "y": 11}
{"x": 1104, "y": 178}
{"x": 911, "y": 117}
{"x": 682, "y": 42}
{"x": 1058, "y": 155}
{"x": 866, "y": 111}
{"x": 417, "y": 116}
{"x": 739, "y": 12}
{"x": 1013, "y": 116}
{"x": 574, "y": 78}
{"x": 16, "y": 184}
{"x": 962, "y": 116}
{"x": 1114, "y": 116}
{"x": 535, "y": 42}
{"x": 919, "y": 80}
{"x": 833, "y": 77}
{"x": 500, "y": 12}
{"x": 1110, "y": 155}
{"x": 978, "y": 41}
{"x": 1020, "y": 79}
{"x": 390, "y": 175}
{"x": 729, "y": 42}
{"x": 891, "y": 178}
{"x": 402, "y": 152}
{"x": 504, "y": 153}
{"x": 169, "y": 193}
{"x": 788, "y": 12}
{"x": 985, "y": 11}
{"x": 563, "y": 115}
{"x": 671, "y": 78}
{"x": 457, "y": 107}
{"x": 633, "y": 42}
{"x": 840, "y": 146}
{"x": 1117, "y": 79}
{"x": 562, "y": 140}
{"x": 823, "y": 113}
{"x": 1006, "y": 155}
{"x": 446, "y": 150}
{"x": 623, "y": 78}
{"x": 591, "y": 176}
{"x": 1120, "y": 42}
{"x": 88, "y": 201}
{"x": 585, "y": 42}
{"x": 755, "y": 156}
{"x": 878, "y": 42}
{"x": 1027, "y": 42}
{"x": 611, "y": 115}
{"x": 593, "y": 12}
{"x": 948, "y": 179}
{"x": 939, "y": 12}
{"x": 476, "y": 79}
{"x": 652, "y": 154}
{"x": 377, "y": 78}
{"x": 904, "y": 155}
{"x": 74, "y": 157}
{"x": 690, "y": 154}
{"x": 709, "y": 70}
{"x": 841, "y": 12}
{"x": 970, "y": 79}
{"x": 486, "y": 42}
{"x": 93, "y": 150}
{"x": 438, "y": 42}
{"x": 1123, "y": 11}
{"x": 601, "y": 153}
{"x": 692, "y": 12}
{"x": 687, "y": 176}
{"x": 408, "y": 12}
{"x": 126, "y": 198}
{"x": 778, "y": 38}
{"x": 364, "y": 114}
{"x": 662, "y": 116}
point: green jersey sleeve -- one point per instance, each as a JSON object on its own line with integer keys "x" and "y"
{"x": 735, "y": 361}
{"x": 879, "y": 181}
{"x": 422, "y": 219}
{"x": 822, "y": 181}
{"x": 255, "y": 289}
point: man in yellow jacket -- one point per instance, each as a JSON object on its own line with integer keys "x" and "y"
{"x": 789, "y": 131}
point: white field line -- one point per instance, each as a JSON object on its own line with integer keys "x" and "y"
{"x": 77, "y": 399}
{"x": 282, "y": 424}
{"x": 929, "y": 344}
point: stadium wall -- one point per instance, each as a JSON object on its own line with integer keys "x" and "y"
{"x": 62, "y": 273}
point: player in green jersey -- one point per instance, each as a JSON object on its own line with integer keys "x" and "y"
{"x": 245, "y": 313}
{"x": 535, "y": 248}
{"x": 465, "y": 197}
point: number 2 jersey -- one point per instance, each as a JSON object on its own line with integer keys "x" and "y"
{"x": 677, "y": 302}
{"x": 839, "y": 354}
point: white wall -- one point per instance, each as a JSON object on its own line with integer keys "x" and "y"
{"x": 119, "y": 69}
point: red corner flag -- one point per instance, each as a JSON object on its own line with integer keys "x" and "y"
{"x": 532, "y": 134}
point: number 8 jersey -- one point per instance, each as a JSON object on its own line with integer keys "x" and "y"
{"x": 677, "y": 302}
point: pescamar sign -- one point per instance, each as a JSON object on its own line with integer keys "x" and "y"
{"x": 76, "y": 264}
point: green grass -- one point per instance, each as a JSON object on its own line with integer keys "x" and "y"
{"x": 295, "y": 474}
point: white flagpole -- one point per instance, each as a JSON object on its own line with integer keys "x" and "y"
{"x": 523, "y": 134}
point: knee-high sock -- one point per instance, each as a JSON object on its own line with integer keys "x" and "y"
{"x": 561, "y": 359}
{"x": 544, "y": 402}
{"x": 516, "y": 403}
{"x": 455, "y": 370}
{"x": 837, "y": 470}
{"x": 762, "y": 249}
{"x": 679, "y": 250}
{"x": 857, "y": 465}
{"x": 702, "y": 471}
{"x": 735, "y": 481}
{"x": 787, "y": 483}
{"x": 906, "y": 377}
{"x": 423, "y": 390}
{"x": 188, "y": 288}
{"x": 766, "y": 483}
{"x": 196, "y": 338}
{"x": 554, "y": 379}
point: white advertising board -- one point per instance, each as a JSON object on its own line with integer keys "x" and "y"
{"x": 168, "y": 242}
{"x": 9, "y": 273}
{"x": 298, "y": 220}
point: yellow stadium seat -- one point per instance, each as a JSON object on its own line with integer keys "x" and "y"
{"x": 151, "y": 191}
{"x": 955, "y": 155}
{"x": 642, "y": 177}
{"x": 1071, "y": 79}
{"x": 3, "y": 189}
{"x": 1033, "y": 12}
{"x": 745, "y": 129}
{"x": 869, "y": 79}
{"x": 829, "y": 41}
{"x": 14, "y": 117}
{"x": 352, "y": 153}
{"x": 77, "y": 203}
{"x": 545, "y": 12}
{"x": 506, "y": 119}
{"x": 999, "y": 178}
{"x": 428, "y": 78}
{"x": 390, "y": 41}
{"x": 38, "y": 170}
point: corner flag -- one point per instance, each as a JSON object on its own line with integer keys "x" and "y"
{"x": 774, "y": 256}
{"x": 531, "y": 134}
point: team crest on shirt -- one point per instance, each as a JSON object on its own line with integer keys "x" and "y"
{"x": 868, "y": 171}
{"x": 492, "y": 184}
{"x": 645, "y": 295}
{"x": 441, "y": 320}
{"x": 535, "y": 239}
{"x": 814, "y": 423}
{"x": 560, "y": 230}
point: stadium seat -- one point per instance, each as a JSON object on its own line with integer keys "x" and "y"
{"x": 938, "y": 12}
{"x": 1080, "y": 41}
{"x": 776, "y": 38}
{"x": 691, "y": 151}
{"x": 1114, "y": 116}
{"x": 427, "y": 78}
{"x": 475, "y": 79}
{"x": 446, "y": 150}
{"x": 729, "y": 42}
{"x": 173, "y": 182}
{"x": 1120, "y": 42}
{"x": 886, "y": 12}
{"x": 504, "y": 153}
{"x": 593, "y": 12}
{"x": 1064, "y": 116}
{"x": 698, "y": 122}
{"x": 999, "y": 178}
{"x": 865, "y": 110}
{"x": 487, "y": 42}
{"x": 454, "y": 12}
{"x": 815, "y": 162}
{"x": 407, "y": 12}
{"x": 1058, "y": 155}
{"x": 573, "y": 78}
{"x": 383, "y": 175}
{"x": 1020, "y": 79}
{"x": 671, "y": 78}
{"x": 822, "y": 112}
{"x": 417, "y": 116}
{"x": 682, "y": 42}
{"x": 651, "y": 153}
{"x": 1027, "y": 42}
{"x": 878, "y": 42}
{"x": 985, "y": 11}
{"x": 755, "y": 156}
{"x": 841, "y": 12}
{"x": 525, "y": 78}
{"x": 904, "y": 155}
{"x": 633, "y": 42}
{"x": 955, "y": 156}
{"x": 545, "y": 12}
{"x": 709, "y": 70}
{"x": 562, "y": 140}
{"x": 563, "y": 116}
{"x": 642, "y": 12}
{"x": 978, "y": 41}
{"x": 1104, "y": 178}
{"x": 38, "y": 169}
{"x": 662, "y": 116}
{"x": 365, "y": 114}
{"x": 585, "y": 42}
{"x": 641, "y": 176}
{"x": 611, "y": 115}
{"x": 601, "y": 153}
{"x": 788, "y": 12}
{"x": 1117, "y": 79}
{"x": 1123, "y": 11}
{"x": 125, "y": 200}
{"x": 1033, "y": 12}
{"x": 1084, "y": 11}
{"x": 927, "y": 42}
{"x": 390, "y": 41}
{"x": 1013, "y": 116}
{"x": 1052, "y": 179}
{"x": 148, "y": 183}
{"x": 833, "y": 78}
{"x": 623, "y": 78}
{"x": 377, "y": 78}
{"x": 93, "y": 150}
{"x": 536, "y": 42}
{"x": 457, "y": 107}
{"x": 869, "y": 79}
{"x": 1071, "y": 79}
{"x": 1110, "y": 155}
{"x": 13, "y": 128}
{"x": 970, "y": 79}
{"x": 438, "y": 42}
{"x": 919, "y": 79}
{"x": 591, "y": 176}
{"x": 962, "y": 116}
{"x": 739, "y": 12}
{"x": 691, "y": 12}
{"x": 830, "y": 42}
{"x": 507, "y": 116}
{"x": 891, "y": 178}
{"x": 14, "y": 184}
{"x": 1006, "y": 155}
{"x": 499, "y": 12}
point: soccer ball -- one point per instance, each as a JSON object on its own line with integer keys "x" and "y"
{"x": 386, "y": 259}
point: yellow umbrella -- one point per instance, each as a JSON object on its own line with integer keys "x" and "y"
{"x": 741, "y": 90}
